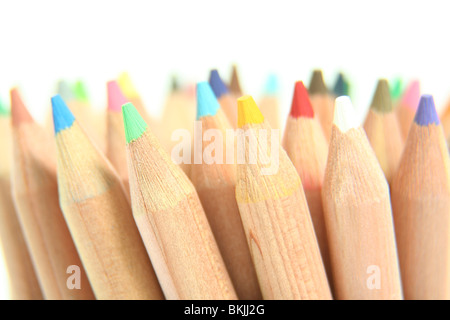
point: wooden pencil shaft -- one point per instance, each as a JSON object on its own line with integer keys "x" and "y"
{"x": 323, "y": 106}
{"x": 100, "y": 220}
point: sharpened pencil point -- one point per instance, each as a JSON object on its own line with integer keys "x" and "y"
{"x": 80, "y": 92}
{"x": 344, "y": 114}
{"x": 248, "y": 112}
{"x": 396, "y": 88}
{"x": 207, "y": 104}
{"x": 381, "y": 101}
{"x": 116, "y": 99}
{"x": 127, "y": 86}
{"x": 65, "y": 91}
{"x": 135, "y": 126}
{"x": 62, "y": 116}
{"x": 411, "y": 97}
{"x": 301, "y": 105}
{"x": 19, "y": 113}
{"x": 235, "y": 86}
{"x": 340, "y": 87}
{"x": 272, "y": 86}
{"x": 4, "y": 111}
{"x": 426, "y": 112}
{"x": 317, "y": 85}
{"x": 217, "y": 85}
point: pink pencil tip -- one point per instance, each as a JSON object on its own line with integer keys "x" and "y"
{"x": 411, "y": 96}
{"x": 116, "y": 99}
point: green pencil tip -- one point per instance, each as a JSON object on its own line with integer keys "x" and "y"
{"x": 396, "y": 88}
{"x": 4, "y": 111}
{"x": 80, "y": 92}
{"x": 135, "y": 126}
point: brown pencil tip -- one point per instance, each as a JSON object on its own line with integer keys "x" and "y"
{"x": 19, "y": 113}
{"x": 317, "y": 85}
{"x": 381, "y": 101}
{"x": 235, "y": 86}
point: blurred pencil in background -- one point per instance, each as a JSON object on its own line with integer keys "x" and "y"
{"x": 99, "y": 215}
{"x": 383, "y": 131}
{"x": 226, "y": 100}
{"x": 358, "y": 214}
{"x": 269, "y": 104}
{"x": 421, "y": 204}
{"x": 407, "y": 107}
{"x": 35, "y": 193}
{"x": 235, "y": 83}
{"x": 341, "y": 86}
{"x": 396, "y": 91}
{"x": 24, "y": 284}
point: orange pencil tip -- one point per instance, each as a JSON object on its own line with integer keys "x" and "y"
{"x": 19, "y": 113}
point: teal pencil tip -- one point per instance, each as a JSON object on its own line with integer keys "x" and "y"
{"x": 207, "y": 104}
{"x": 62, "y": 116}
{"x": 272, "y": 86}
{"x": 4, "y": 111}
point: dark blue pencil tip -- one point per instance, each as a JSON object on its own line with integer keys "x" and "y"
{"x": 62, "y": 117}
{"x": 219, "y": 88}
{"x": 426, "y": 112}
{"x": 340, "y": 87}
{"x": 207, "y": 104}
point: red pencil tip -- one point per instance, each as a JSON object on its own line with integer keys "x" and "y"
{"x": 301, "y": 106}
{"x": 116, "y": 99}
{"x": 19, "y": 113}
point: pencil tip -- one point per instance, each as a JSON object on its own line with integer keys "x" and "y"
{"x": 341, "y": 86}
{"x": 62, "y": 116}
{"x": 344, "y": 114}
{"x": 218, "y": 86}
{"x": 317, "y": 85}
{"x": 127, "y": 86}
{"x": 80, "y": 92}
{"x": 174, "y": 84}
{"x": 64, "y": 90}
{"x": 411, "y": 96}
{"x": 19, "y": 113}
{"x": 301, "y": 105}
{"x": 134, "y": 125}
{"x": 235, "y": 86}
{"x": 396, "y": 88}
{"x": 248, "y": 112}
{"x": 426, "y": 112}
{"x": 381, "y": 101}
{"x": 4, "y": 111}
{"x": 272, "y": 86}
{"x": 207, "y": 104}
{"x": 116, "y": 98}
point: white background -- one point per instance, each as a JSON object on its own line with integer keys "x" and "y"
{"x": 43, "y": 41}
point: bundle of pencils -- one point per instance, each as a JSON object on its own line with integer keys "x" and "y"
{"x": 112, "y": 208}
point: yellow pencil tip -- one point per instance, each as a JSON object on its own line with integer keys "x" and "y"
{"x": 248, "y": 111}
{"x": 127, "y": 86}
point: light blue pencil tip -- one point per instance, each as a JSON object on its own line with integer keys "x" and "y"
{"x": 207, "y": 104}
{"x": 272, "y": 85}
{"x": 62, "y": 116}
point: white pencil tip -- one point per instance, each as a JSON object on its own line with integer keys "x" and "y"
{"x": 344, "y": 114}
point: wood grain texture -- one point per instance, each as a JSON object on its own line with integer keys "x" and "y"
{"x": 421, "y": 205}
{"x": 35, "y": 194}
{"x": 99, "y": 217}
{"x": 174, "y": 226}
{"x": 215, "y": 184}
{"x": 358, "y": 219}
{"x": 278, "y": 225}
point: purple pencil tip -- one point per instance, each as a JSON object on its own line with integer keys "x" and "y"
{"x": 426, "y": 112}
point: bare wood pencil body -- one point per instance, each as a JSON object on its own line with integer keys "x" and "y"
{"x": 171, "y": 220}
{"x": 358, "y": 220}
{"x": 270, "y": 109}
{"x": 421, "y": 205}
{"x": 215, "y": 184}
{"x": 24, "y": 284}
{"x": 229, "y": 107}
{"x": 275, "y": 216}
{"x": 99, "y": 216}
{"x": 35, "y": 194}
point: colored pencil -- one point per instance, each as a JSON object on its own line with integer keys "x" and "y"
{"x": 269, "y": 104}
{"x": 275, "y": 215}
{"x": 115, "y": 139}
{"x": 407, "y": 107}
{"x": 132, "y": 95}
{"x": 306, "y": 146}
{"x": 396, "y": 90}
{"x": 99, "y": 216}
{"x": 35, "y": 194}
{"x": 215, "y": 183}
{"x": 421, "y": 205}
{"x": 445, "y": 120}
{"x": 226, "y": 100}
{"x": 235, "y": 84}
{"x": 171, "y": 219}
{"x": 23, "y": 282}
{"x": 358, "y": 214}
{"x": 383, "y": 131}
{"x": 322, "y": 102}
{"x": 341, "y": 86}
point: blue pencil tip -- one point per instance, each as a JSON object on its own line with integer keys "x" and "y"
{"x": 62, "y": 117}
{"x": 207, "y": 104}
{"x": 217, "y": 84}
{"x": 272, "y": 85}
{"x": 426, "y": 112}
